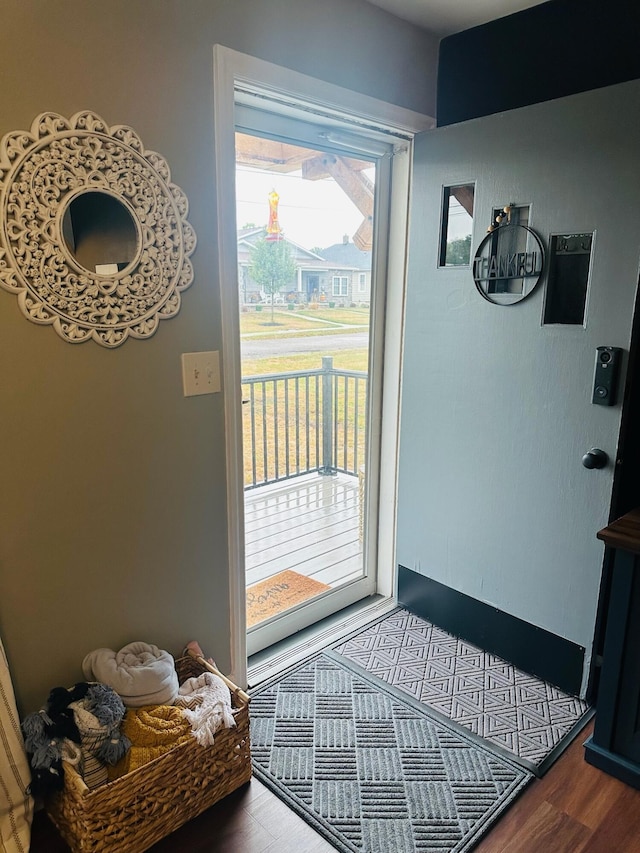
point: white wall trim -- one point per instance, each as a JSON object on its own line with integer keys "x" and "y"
{"x": 224, "y": 154}
{"x": 293, "y": 87}
{"x": 392, "y": 371}
{"x": 233, "y": 69}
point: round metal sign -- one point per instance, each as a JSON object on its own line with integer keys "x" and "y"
{"x": 508, "y": 264}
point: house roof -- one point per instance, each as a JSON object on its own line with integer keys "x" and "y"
{"x": 340, "y": 256}
{"x": 347, "y": 254}
{"x": 247, "y": 237}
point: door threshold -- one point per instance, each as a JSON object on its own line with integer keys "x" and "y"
{"x": 301, "y": 645}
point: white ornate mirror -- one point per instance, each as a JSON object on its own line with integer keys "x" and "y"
{"x": 94, "y": 238}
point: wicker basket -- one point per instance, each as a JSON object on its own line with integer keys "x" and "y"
{"x": 131, "y": 813}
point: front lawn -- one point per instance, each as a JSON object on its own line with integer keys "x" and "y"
{"x": 307, "y": 320}
{"x": 351, "y": 359}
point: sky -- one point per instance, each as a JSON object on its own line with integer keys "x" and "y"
{"x": 311, "y": 213}
{"x": 460, "y": 223}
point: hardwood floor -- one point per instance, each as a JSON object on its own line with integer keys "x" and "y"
{"x": 574, "y": 808}
{"x": 251, "y": 820}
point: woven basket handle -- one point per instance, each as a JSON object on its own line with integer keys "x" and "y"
{"x": 240, "y": 695}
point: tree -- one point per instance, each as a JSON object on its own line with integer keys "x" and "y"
{"x": 459, "y": 251}
{"x": 271, "y": 266}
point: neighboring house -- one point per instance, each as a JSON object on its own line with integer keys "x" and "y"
{"x": 351, "y": 279}
{"x": 342, "y": 274}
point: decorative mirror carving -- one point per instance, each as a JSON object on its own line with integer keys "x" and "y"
{"x": 94, "y": 237}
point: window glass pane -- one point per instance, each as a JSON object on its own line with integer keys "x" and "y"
{"x": 457, "y": 225}
{"x": 569, "y": 262}
{"x": 304, "y": 246}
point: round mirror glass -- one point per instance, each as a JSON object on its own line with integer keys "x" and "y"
{"x": 100, "y": 233}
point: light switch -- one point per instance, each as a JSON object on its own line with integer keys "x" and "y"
{"x": 200, "y": 373}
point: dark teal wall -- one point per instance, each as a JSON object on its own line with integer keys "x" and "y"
{"x": 559, "y": 48}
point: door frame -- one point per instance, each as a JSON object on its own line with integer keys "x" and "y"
{"x": 625, "y": 494}
{"x": 230, "y": 70}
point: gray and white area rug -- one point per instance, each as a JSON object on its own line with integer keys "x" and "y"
{"x": 529, "y": 718}
{"x": 372, "y": 769}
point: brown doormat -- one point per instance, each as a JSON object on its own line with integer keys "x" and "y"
{"x": 282, "y": 591}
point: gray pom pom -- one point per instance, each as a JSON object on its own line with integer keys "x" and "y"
{"x": 114, "y": 748}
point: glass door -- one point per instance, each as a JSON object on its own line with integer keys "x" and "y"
{"x": 306, "y": 243}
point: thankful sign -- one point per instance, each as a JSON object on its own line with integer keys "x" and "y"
{"x": 508, "y": 264}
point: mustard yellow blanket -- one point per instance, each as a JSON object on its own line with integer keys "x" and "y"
{"x": 152, "y": 730}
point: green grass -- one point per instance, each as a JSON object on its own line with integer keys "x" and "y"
{"x": 308, "y": 321}
{"x": 251, "y": 322}
{"x": 348, "y": 316}
{"x": 353, "y": 359}
{"x": 265, "y": 432}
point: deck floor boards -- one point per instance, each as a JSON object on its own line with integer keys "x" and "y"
{"x": 308, "y": 524}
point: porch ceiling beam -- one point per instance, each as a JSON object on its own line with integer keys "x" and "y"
{"x": 363, "y": 238}
{"x": 278, "y": 156}
{"x": 317, "y": 167}
{"x": 464, "y": 195}
{"x": 270, "y": 154}
{"x": 275, "y": 156}
{"x": 357, "y": 187}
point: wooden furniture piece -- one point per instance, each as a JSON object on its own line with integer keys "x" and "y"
{"x": 615, "y": 744}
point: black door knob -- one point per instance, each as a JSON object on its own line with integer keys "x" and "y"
{"x": 595, "y": 458}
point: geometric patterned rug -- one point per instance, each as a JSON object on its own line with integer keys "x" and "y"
{"x": 372, "y": 769}
{"x": 529, "y": 718}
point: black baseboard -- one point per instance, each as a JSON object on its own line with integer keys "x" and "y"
{"x": 615, "y": 765}
{"x": 526, "y": 646}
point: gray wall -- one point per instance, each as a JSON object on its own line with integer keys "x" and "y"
{"x": 496, "y": 409}
{"x": 112, "y": 505}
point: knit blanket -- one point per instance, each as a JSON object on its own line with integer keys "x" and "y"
{"x": 98, "y": 717}
{"x": 80, "y": 726}
{"x": 94, "y": 735}
{"x": 152, "y": 730}
{"x": 206, "y": 703}
{"x": 140, "y": 673}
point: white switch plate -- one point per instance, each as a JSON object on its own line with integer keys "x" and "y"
{"x": 200, "y": 373}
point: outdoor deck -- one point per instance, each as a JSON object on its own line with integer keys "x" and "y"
{"x": 309, "y": 524}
